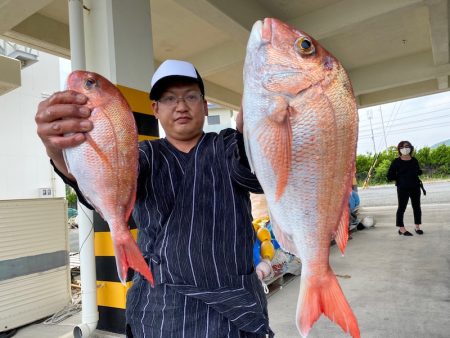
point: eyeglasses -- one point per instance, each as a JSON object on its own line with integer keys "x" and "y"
{"x": 191, "y": 99}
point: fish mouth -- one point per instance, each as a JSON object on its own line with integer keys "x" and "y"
{"x": 266, "y": 30}
{"x": 262, "y": 31}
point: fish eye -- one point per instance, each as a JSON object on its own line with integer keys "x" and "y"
{"x": 90, "y": 83}
{"x": 304, "y": 45}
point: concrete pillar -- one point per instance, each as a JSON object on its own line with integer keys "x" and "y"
{"x": 119, "y": 46}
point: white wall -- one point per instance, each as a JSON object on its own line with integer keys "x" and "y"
{"x": 24, "y": 165}
{"x": 226, "y": 120}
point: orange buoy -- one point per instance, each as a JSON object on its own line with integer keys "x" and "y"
{"x": 267, "y": 250}
{"x": 263, "y": 234}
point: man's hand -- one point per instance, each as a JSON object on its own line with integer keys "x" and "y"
{"x": 62, "y": 120}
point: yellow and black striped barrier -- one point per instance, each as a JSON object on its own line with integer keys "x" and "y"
{"x": 141, "y": 106}
{"x": 111, "y": 293}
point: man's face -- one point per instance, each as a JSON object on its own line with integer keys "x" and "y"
{"x": 182, "y": 120}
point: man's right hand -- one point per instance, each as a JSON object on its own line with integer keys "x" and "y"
{"x": 62, "y": 121}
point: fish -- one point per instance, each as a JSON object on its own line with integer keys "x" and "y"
{"x": 105, "y": 166}
{"x": 300, "y": 135}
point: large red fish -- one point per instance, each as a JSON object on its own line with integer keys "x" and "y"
{"x": 300, "y": 130}
{"x": 106, "y": 165}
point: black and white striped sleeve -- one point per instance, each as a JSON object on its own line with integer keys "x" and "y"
{"x": 240, "y": 168}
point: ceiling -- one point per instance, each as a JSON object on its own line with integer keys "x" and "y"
{"x": 392, "y": 49}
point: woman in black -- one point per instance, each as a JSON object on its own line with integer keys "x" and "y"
{"x": 405, "y": 171}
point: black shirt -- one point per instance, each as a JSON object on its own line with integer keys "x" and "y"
{"x": 405, "y": 173}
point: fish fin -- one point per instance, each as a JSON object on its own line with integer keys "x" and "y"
{"x": 284, "y": 239}
{"x": 103, "y": 157}
{"x": 342, "y": 230}
{"x": 128, "y": 255}
{"x": 324, "y": 296}
{"x": 275, "y": 138}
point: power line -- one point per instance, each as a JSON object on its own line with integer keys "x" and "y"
{"x": 442, "y": 122}
{"x": 379, "y": 125}
{"x": 421, "y": 109}
{"x": 423, "y": 127}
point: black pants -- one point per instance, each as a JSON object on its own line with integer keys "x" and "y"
{"x": 403, "y": 196}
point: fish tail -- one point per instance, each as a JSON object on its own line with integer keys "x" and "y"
{"x": 128, "y": 255}
{"x": 324, "y": 296}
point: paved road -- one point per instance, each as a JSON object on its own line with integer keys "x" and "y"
{"x": 386, "y": 195}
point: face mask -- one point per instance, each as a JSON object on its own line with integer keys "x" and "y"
{"x": 405, "y": 151}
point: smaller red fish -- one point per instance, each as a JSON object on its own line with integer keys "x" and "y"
{"x": 106, "y": 165}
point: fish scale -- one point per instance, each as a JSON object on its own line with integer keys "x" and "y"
{"x": 300, "y": 133}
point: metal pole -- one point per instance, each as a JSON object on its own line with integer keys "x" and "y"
{"x": 89, "y": 315}
{"x": 76, "y": 31}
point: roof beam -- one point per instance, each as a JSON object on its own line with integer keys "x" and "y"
{"x": 442, "y": 82}
{"x": 232, "y": 16}
{"x": 13, "y": 12}
{"x": 235, "y": 17}
{"x": 398, "y": 93}
{"x": 222, "y": 96}
{"x": 344, "y": 15}
{"x": 217, "y": 59}
{"x": 397, "y": 72}
{"x": 42, "y": 33}
{"x": 238, "y": 18}
{"x": 439, "y": 29}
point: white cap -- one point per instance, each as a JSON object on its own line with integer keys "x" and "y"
{"x": 170, "y": 69}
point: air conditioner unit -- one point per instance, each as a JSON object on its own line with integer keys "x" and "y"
{"x": 45, "y": 193}
{"x": 34, "y": 260}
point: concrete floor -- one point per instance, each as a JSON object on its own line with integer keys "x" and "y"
{"x": 60, "y": 330}
{"x": 398, "y": 286}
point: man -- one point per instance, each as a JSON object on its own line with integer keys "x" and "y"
{"x": 192, "y": 210}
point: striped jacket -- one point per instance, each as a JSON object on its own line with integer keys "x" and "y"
{"x": 194, "y": 218}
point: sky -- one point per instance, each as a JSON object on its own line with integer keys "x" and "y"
{"x": 423, "y": 121}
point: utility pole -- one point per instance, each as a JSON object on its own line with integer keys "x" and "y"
{"x": 369, "y": 174}
{"x": 384, "y": 131}
{"x": 370, "y": 116}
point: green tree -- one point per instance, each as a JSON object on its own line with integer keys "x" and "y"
{"x": 423, "y": 156}
{"x": 363, "y": 164}
{"x": 434, "y": 163}
{"x": 381, "y": 171}
{"x": 71, "y": 197}
{"x": 438, "y": 156}
{"x": 389, "y": 154}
